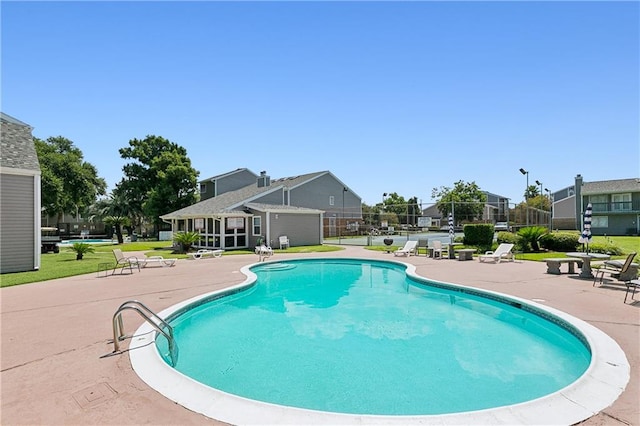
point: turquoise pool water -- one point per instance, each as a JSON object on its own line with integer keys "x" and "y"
{"x": 353, "y": 336}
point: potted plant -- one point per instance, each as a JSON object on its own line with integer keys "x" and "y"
{"x": 80, "y": 249}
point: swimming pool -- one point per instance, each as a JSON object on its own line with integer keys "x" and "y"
{"x": 86, "y": 241}
{"x": 283, "y": 315}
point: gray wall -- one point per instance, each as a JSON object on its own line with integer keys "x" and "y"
{"x": 231, "y": 182}
{"x": 17, "y": 239}
{"x": 302, "y": 229}
{"x": 315, "y": 195}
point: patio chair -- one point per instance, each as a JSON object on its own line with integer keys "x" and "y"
{"x": 437, "y": 249}
{"x": 123, "y": 262}
{"x": 502, "y": 252}
{"x": 423, "y": 243}
{"x": 628, "y": 271}
{"x": 407, "y": 250}
{"x": 284, "y": 242}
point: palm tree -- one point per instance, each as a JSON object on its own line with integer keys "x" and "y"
{"x": 532, "y": 191}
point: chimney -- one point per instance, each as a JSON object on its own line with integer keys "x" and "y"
{"x": 263, "y": 179}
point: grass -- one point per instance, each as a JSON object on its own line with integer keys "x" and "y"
{"x": 64, "y": 264}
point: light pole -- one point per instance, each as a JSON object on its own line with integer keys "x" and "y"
{"x": 539, "y": 215}
{"x": 526, "y": 192}
{"x": 343, "y": 192}
{"x": 550, "y": 209}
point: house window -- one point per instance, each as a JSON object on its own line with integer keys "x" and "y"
{"x": 599, "y": 203}
{"x": 621, "y": 202}
{"x": 600, "y": 222}
{"x": 257, "y": 225}
{"x": 332, "y": 200}
{"x": 203, "y": 187}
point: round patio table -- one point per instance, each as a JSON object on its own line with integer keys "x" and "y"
{"x": 585, "y": 272}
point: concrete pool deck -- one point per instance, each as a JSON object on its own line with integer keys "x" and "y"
{"x": 54, "y": 333}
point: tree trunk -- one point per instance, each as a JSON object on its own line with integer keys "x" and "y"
{"x": 79, "y": 256}
{"x": 119, "y": 234}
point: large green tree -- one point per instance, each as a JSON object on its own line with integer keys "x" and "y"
{"x": 467, "y": 198}
{"x": 69, "y": 184}
{"x": 160, "y": 179}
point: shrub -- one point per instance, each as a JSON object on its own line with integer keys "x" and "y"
{"x": 507, "y": 237}
{"x": 559, "y": 241}
{"x": 605, "y": 248}
{"x": 530, "y": 236}
{"x": 81, "y": 249}
{"x": 479, "y": 235}
{"x": 186, "y": 239}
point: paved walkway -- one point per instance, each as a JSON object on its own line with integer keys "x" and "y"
{"x": 55, "y": 333}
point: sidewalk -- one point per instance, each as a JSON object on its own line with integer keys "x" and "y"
{"x": 55, "y": 333}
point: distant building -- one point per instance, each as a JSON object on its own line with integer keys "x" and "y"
{"x": 615, "y": 206}
{"x": 19, "y": 197}
{"x": 238, "y": 208}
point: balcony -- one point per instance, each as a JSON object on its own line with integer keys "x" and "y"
{"x": 618, "y": 207}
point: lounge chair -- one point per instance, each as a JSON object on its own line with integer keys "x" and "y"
{"x": 123, "y": 262}
{"x": 284, "y": 242}
{"x": 437, "y": 249}
{"x": 205, "y": 253}
{"x": 157, "y": 261}
{"x": 408, "y": 249}
{"x": 502, "y": 252}
{"x": 628, "y": 271}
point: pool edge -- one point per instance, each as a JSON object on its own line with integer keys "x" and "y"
{"x": 602, "y": 383}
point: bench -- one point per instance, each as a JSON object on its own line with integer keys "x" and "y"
{"x": 205, "y": 253}
{"x": 465, "y": 254}
{"x": 553, "y": 265}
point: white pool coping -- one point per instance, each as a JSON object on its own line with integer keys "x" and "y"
{"x": 601, "y": 384}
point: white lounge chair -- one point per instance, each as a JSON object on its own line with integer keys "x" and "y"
{"x": 206, "y": 253}
{"x": 157, "y": 261}
{"x": 284, "y": 242}
{"x": 502, "y": 252}
{"x": 408, "y": 249}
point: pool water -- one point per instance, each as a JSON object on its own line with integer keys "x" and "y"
{"x": 361, "y": 337}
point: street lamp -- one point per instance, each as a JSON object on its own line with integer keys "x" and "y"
{"x": 526, "y": 192}
{"x": 540, "y": 214}
{"x": 343, "y": 222}
{"x": 550, "y": 209}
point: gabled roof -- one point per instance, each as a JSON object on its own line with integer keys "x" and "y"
{"x": 227, "y": 174}
{"x": 17, "y": 150}
{"x": 611, "y": 186}
{"x": 234, "y": 202}
{"x": 10, "y": 119}
{"x": 226, "y": 203}
{"x": 272, "y": 208}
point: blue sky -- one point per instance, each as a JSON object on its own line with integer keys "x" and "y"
{"x": 389, "y": 96}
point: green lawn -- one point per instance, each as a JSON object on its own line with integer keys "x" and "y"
{"x": 64, "y": 264}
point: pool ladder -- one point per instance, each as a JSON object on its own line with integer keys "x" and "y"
{"x": 152, "y": 318}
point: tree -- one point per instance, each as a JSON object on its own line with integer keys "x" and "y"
{"x": 531, "y": 192}
{"x": 160, "y": 180}
{"x": 115, "y": 211}
{"x": 69, "y": 184}
{"x": 467, "y": 198}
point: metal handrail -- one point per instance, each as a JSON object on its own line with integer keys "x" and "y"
{"x": 149, "y": 316}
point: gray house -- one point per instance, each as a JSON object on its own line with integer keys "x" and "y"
{"x": 239, "y": 207}
{"x": 615, "y": 206}
{"x": 19, "y": 197}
